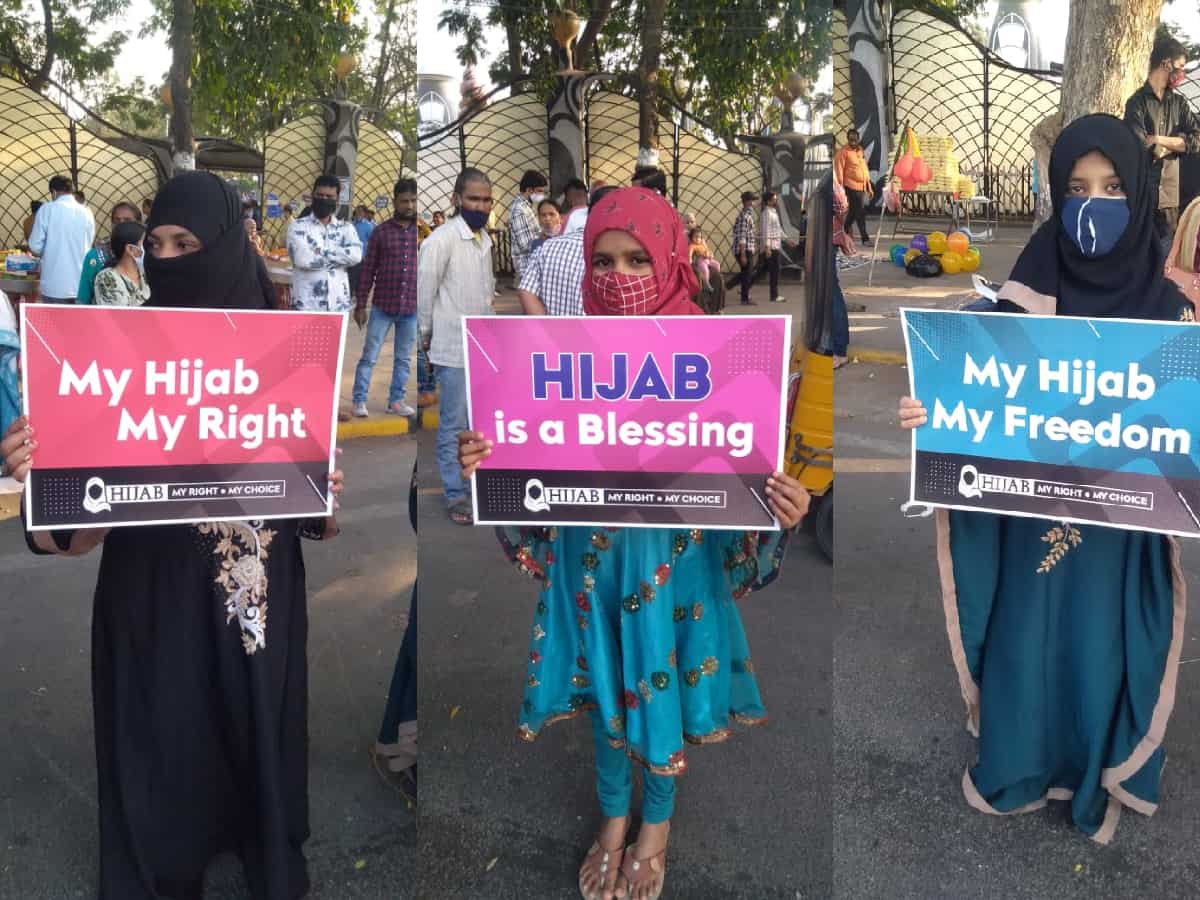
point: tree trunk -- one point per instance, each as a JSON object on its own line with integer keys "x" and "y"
{"x": 587, "y": 52}
{"x": 40, "y": 78}
{"x": 183, "y": 144}
{"x": 1107, "y": 58}
{"x": 512, "y": 31}
{"x": 384, "y": 59}
{"x": 652, "y": 31}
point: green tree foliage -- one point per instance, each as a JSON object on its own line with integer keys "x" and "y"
{"x": 723, "y": 59}
{"x": 134, "y": 108}
{"x": 1169, "y": 29}
{"x": 53, "y": 39}
{"x": 386, "y": 81}
{"x": 255, "y": 60}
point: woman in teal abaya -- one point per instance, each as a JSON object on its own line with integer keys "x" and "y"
{"x": 1067, "y": 637}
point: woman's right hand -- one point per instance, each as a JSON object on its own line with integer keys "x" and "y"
{"x": 473, "y": 448}
{"x": 912, "y": 413}
{"x": 16, "y": 448}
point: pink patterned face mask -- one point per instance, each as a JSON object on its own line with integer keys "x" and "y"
{"x": 1178, "y": 76}
{"x": 626, "y": 295}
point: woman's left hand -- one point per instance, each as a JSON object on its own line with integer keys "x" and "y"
{"x": 337, "y": 483}
{"x": 788, "y": 499}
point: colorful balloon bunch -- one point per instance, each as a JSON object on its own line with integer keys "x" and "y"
{"x": 953, "y": 252}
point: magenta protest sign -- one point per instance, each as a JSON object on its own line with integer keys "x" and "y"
{"x": 627, "y": 421}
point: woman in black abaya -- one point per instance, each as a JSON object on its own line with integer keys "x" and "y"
{"x": 200, "y": 697}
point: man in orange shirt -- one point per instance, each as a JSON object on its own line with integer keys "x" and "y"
{"x": 851, "y": 172}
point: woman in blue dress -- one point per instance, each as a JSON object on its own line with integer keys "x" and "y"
{"x": 638, "y": 629}
{"x": 1067, "y": 637}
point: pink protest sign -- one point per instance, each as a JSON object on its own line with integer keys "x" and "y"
{"x": 148, "y": 416}
{"x": 628, "y": 421}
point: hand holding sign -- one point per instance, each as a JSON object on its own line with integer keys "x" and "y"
{"x": 788, "y": 499}
{"x": 912, "y": 413}
{"x": 16, "y": 448}
{"x": 473, "y": 448}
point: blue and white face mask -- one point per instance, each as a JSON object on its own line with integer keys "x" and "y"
{"x": 1095, "y": 224}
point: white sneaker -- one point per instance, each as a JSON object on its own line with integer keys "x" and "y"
{"x": 360, "y": 410}
{"x": 401, "y": 409}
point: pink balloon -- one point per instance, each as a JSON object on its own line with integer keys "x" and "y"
{"x": 904, "y": 167}
{"x": 924, "y": 173}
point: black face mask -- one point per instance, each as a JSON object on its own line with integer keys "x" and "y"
{"x": 323, "y": 207}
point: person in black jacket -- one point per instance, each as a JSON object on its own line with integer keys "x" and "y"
{"x": 1159, "y": 114}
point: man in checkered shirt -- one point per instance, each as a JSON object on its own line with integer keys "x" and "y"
{"x": 553, "y": 281}
{"x": 745, "y": 246}
{"x": 523, "y": 228}
{"x": 389, "y": 282}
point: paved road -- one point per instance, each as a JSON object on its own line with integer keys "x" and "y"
{"x": 875, "y": 306}
{"x": 902, "y": 828}
{"x": 500, "y": 818}
{"x": 358, "y": 602}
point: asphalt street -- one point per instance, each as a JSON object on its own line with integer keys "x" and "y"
{"x": 500, "y": 818}
{"x": 902, "y": 828}
{"x": 363, "y": 841}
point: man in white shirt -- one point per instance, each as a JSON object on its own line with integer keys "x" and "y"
{"x": 455, "y": 279}
{"x": 322, "y": 248}
{"x": 575, "y": 199}
{"x": 62, "y": 236}
{"x": 523, "y": 227}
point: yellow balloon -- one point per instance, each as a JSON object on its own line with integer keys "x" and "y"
{"x": 971, "y": 260}
{"x": 952, "y": 263}
{"x": 937, "y": 242}
{"x": 910, "y": 255}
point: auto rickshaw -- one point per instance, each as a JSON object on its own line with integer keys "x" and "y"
{"x": 809, "y": 455}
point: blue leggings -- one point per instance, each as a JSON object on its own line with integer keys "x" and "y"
{"x": 614, "y": 781}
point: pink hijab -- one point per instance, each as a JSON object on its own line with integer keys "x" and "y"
{"x": 654, "y": 223}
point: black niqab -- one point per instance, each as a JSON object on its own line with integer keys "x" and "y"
{"x": 1128, "y": 282}
{"x": 225, "y": 273}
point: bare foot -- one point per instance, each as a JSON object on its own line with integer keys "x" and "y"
{"x": 645, "y": 867}
{"x": 598, "y": 874}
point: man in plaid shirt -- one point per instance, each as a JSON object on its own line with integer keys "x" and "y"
{"x": 389, "y": 280}
{"x": 523, "y": 228}
{"x": 745, "y": 246}
{"x": 552, "y": 285}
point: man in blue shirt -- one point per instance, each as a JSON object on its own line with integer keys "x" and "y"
{"x": 62, "y": 236}
{"x": 363, "y": 225}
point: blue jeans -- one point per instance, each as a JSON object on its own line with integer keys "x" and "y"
{"x": 841, "y": 319}
{"x": 426, "y": 384}
{"x": 452, "y": 420}
{"x": 402, "y": 343}
{"x": 402, "y": 698}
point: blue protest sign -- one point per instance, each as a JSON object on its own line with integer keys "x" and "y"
{"x": 274, "y": 209}
{"x": 1088, "y": 420}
